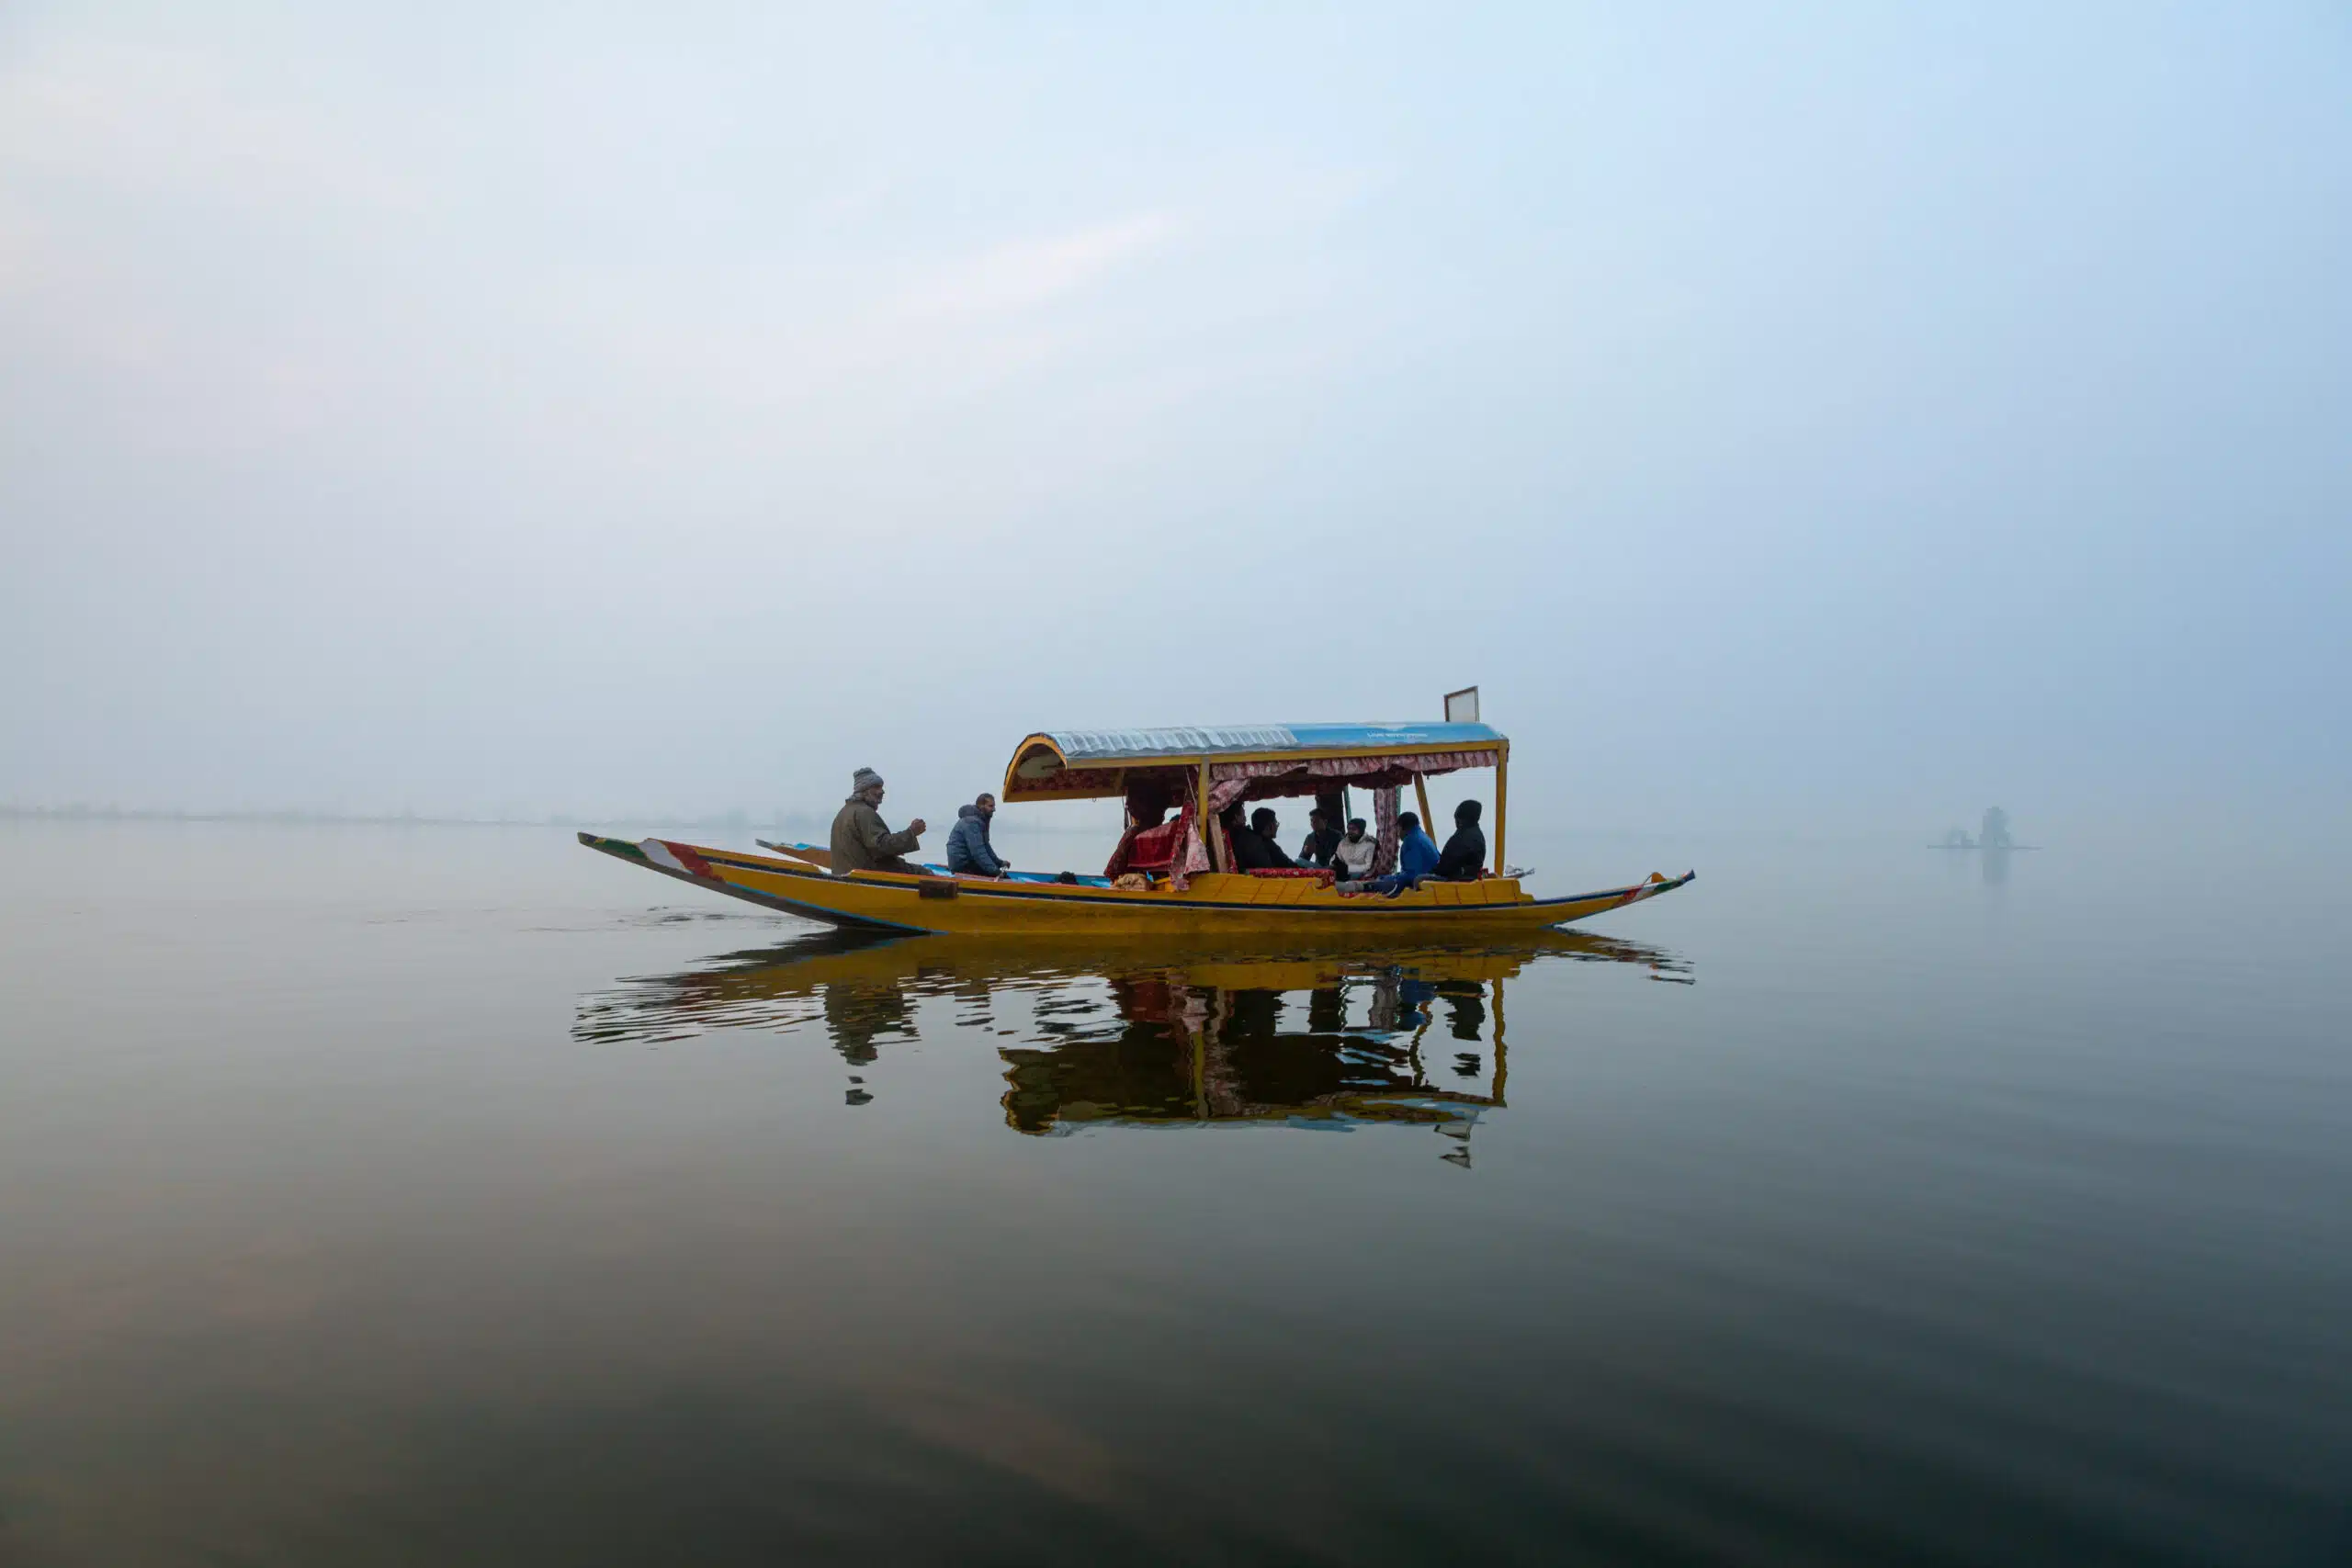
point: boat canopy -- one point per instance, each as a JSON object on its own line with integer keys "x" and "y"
{"x": 1093, "y": 764}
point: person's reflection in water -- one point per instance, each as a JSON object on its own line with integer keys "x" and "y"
{"x": 978, "y": 1001}
{"x": 1252, "y": 1014}
{"x": 856, "y": 1016}
{"x": 1467, "y": 1001}
{"x": 1145, "y": 1071}
{"x": 1414, "y": 997}
{"x": 1264, "y": 1066}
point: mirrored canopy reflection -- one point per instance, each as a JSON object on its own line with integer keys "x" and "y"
{"x": 1146, "y": 1035}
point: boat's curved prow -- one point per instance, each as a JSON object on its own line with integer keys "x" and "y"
{"x": 741, "y": 877}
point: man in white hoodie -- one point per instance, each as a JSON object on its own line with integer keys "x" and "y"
{"x": 1352, "y": 858}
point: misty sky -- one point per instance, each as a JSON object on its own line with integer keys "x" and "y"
{"x": 1780, "y": 412}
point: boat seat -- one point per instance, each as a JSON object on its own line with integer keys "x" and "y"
{"x": 1153, "y": 849}
{"x": 1319, "y": 875}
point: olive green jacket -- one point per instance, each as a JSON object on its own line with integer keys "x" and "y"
{"x": 862, "y": 841}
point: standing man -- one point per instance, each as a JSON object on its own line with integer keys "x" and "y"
{"x": 969, "y": 853}
{"x": 861, "y": 840}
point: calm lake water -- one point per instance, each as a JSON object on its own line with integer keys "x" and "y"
{"x": 453, "y": 1196}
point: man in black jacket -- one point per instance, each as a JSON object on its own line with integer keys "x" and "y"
{"x": 1253, "y": 847}
{"x": 1321, "y": 842}
{"x": 1464, "y": 856}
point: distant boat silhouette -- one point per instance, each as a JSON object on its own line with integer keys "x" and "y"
{"x": 1992, "y": 834}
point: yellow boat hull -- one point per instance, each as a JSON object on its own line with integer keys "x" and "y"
{"x": 1215, "y": 904}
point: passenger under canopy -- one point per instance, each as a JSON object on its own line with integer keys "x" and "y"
{"x": 1158, "y": 770}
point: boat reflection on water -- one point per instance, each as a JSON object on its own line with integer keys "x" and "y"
{"x": 1146, "y": 1034}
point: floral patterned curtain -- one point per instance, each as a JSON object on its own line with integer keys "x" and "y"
{"x": 1192, "y": 855}
{"x": 1384, "y": 825}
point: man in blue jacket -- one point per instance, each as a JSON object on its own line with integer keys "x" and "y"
{"x": 1416, "y": 857}
{"x": 969, "y": 853}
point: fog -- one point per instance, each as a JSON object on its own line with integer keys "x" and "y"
{"x": 1782, "y": 414}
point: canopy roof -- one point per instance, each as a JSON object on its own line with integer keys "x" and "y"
{"x": 1093, "y": 748}
{"x": 1079, "y": 763}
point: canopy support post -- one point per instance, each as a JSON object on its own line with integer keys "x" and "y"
{"x": 1422, "y": 794}
{"x": 1209, "y": 839}
{"x": 1502, "y": 815}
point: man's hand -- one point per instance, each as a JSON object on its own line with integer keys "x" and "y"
{"x": 917, "y": 826}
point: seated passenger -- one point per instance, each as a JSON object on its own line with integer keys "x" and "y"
{"x": 862, "y": 841}
{"x": 1416, "y": 857}
{"x": 1236, "y": 828}
{"x": 1321, "y": 839}
{"x": 1416, "y": 851}
{"x": 1464, "y": 859}
{"x": 969, "y": 853}
{"x": 1254, "y": 848}
{"x": 1352, "y": 856}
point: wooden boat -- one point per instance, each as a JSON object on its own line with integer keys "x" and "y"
{"x": 1181, "y": 878}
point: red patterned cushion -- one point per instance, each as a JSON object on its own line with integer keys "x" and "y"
{"x": 1153, "y": 849}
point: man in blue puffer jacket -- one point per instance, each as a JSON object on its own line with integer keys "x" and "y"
{"x": 1417, "y": 858}
{"x": 969, "y": 853}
